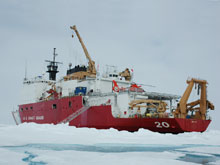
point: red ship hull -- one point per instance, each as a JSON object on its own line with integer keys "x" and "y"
{"x": 100, "y": 117}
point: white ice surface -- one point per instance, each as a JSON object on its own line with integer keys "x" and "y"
{"x": 205, "y": 150}
{"x": 48, "y": 141}
{"x": 93, "y": 158}
{"x": 11, "y": 157}
{"x": 63, "y": 134}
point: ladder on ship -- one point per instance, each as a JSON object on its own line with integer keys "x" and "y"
{"x": 16, "y": 117}
{"x": 74, "y": 115}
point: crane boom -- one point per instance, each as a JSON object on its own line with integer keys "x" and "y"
{"x": 184, "y": 107}
{"x": 91, "y": 63}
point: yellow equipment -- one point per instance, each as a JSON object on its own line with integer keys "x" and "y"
{"x": 91, "y": 70}
{"x": 183, "y": 107}
{"x": 126, "y": 74}
{"x": 159, "y": 105}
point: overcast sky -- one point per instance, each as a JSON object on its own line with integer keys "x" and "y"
{"x": 164, "y": 41}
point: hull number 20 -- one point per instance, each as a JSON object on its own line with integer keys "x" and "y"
{"x": 162, "y": 124}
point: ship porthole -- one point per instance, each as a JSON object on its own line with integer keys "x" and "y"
{"x": 54, "y": 106}
{"x": 70, "y": 104}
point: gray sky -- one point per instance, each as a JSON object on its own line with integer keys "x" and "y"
{"x": 165, "y": 42}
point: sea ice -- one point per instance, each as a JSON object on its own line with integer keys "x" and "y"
{"x": 61, "y": 144}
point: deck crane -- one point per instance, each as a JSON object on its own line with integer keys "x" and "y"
{"x": 183, "y": 107}
{"x": 91, "y": 68}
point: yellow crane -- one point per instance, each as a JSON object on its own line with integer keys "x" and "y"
{"x": 91, "y": 69}
{"x": 183, "y": 107}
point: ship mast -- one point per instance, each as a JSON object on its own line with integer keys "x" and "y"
{"x": 53, "y": 66}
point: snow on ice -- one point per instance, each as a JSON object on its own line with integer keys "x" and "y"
{"x": 60, "y": 144}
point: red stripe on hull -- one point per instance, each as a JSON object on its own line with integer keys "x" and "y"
{"x": 100, "y": 117}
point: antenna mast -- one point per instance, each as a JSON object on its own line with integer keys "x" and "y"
{"x": 52, "y": 67}
{"x": 25, "y": 74}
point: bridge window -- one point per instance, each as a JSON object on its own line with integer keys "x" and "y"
{"x": 31, "y": 108}
{"x": 22, "y": 109}
{"x": 26, "y": 108}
